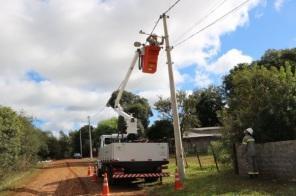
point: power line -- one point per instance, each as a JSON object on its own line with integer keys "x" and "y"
{"x": 212, "y": 23}
{"x": 212, "y": 10}
{"x": 156, "y": 22}
{"x": 171, "y": 7}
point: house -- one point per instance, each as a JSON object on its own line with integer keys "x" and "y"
{"x": 198, "y": 139}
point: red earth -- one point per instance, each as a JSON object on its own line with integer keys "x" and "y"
{"x": 70, "y": 177}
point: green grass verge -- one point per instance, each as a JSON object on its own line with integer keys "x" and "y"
{"x": 208, "y": 181}
{"x": 16, "y": 179}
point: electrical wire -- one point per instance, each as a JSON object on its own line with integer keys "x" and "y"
{"x": 172, "y": 6}
{"x": 156, "y": 22}
{"x": 211, "y": 24}
{"x": 155, "y": 25}
{"x": 212, "y": 10}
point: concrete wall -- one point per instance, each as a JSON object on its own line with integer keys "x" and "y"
{"x": 274, "y": 159}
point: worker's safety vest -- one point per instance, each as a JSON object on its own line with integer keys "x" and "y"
{"x": 250, "y": 142}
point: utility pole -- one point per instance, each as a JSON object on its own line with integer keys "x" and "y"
{"x": 90, "y": 142}
{"x": 177, "y": 132}
{"x": 80, "y": 143}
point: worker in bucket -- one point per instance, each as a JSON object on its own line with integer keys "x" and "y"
{"x": 152, "y": 40}
{"x": 249, "y": 150}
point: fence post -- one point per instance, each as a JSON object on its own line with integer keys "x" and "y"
{"x": 197, "y": 155}
{"x": 235, "y": 164}
{"x": 214, "y": 155}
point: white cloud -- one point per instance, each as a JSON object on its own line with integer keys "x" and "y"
{"x": 84, "y": 48}
{"x": 202, "y": 79}
{"x": 227, "y": 61}
{"x": 278, "y": 4}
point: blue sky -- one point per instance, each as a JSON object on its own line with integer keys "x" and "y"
{"x": 34, "y": 76}
{"x": 268, "y": 28}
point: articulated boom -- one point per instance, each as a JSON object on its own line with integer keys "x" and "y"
{"x": 131, "y": 122}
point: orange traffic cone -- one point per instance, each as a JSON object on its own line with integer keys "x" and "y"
{"x": 105, "y": 190}
{"x": 89, "y": 171}
{"x": 178, "y": 183}
{"x": 95, "y": 176}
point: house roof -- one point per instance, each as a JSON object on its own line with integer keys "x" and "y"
{"x": 203, "y": 132}
{"x": 189, "y": 134}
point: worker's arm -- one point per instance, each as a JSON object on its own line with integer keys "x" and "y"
{"x": 245, "y": 145}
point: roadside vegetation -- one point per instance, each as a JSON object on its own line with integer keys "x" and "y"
{"x": 208, "y": 181}
{"x": 17, "y": 178}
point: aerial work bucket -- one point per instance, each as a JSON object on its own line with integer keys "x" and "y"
{"x": 149, "y": 61}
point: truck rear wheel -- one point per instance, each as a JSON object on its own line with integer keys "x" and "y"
{"x": 111, "y": 181}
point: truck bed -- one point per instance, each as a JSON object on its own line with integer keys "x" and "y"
{"x": 134, "y": 152}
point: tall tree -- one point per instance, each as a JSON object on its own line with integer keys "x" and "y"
{"x": 105, "y": 127}
{"x": 135, "y": 105}
{"x": 65, "y": 145}
{"x": 208, "y": 102}
{"x": 30, "y": 141}
{"x": 161, "y": 129}
{"x": 263, "y": 97}
{"x": 75, "y": 140}
{"x": 186, "y": 110}
{"x": 10, "y": 139}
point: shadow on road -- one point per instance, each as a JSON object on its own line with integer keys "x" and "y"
{"x": 68, "y": 163}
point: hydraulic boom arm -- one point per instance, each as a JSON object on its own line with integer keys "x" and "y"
{"x": 130, "y": 120}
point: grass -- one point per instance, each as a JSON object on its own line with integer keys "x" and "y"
{"x": 16, "y": 179}
{"x": 208, "y": 181}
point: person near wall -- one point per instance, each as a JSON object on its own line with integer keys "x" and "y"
{"x": 249, "y": 150}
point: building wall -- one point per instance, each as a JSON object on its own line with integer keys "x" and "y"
{"x": 274, "y": 159}
{"x": 200, "y": 145}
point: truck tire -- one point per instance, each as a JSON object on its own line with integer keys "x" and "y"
{"x": 111, "y": 181}
{"x": 100, "y": 174}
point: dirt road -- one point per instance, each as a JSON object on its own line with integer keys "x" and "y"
{"x": 69, "y": 177}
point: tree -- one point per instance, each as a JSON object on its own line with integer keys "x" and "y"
{"x": 262, "y": 97}
{"x": 53, "y": 146}
{"x": 75, "y": 141}
{"x": 65, "y": 145}
{"x": 121, "y": 125}
{"x": 85, "y": 139}
{"x": 198, "y": 109}
{"x": 44, "y": 150}
{"x": 10, "y": 139}
{"x": 30, "y": 142}
{"x": 135, "y": 105}
{"x": 208, "y": 102}
{"x": 105, "y": 127}
{"x": 278, "y": 58}
{"x": 161, "y": 129}
{"x": 21, "y": 142}
{"x": 271, "y": 59}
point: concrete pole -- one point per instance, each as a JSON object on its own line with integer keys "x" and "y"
{"x": 90, "y": 142}
{"x": 177, "y": 132}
